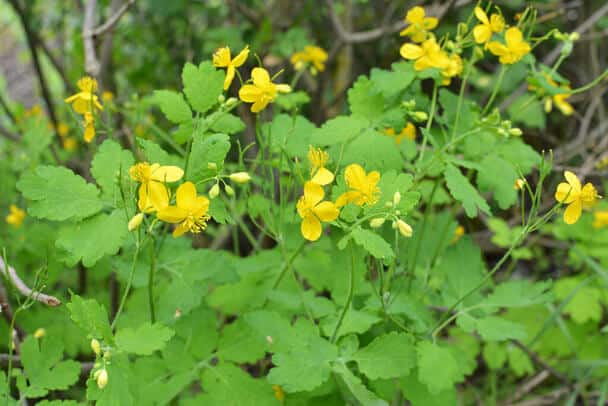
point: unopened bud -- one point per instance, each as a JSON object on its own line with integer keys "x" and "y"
{"x": 231, "y": 101}
{"x": 478, "y": 52}
{"x": 376, "y": 222}
{"x": 221, "y": 98}
{"x": 519, "y": 184}
{"x": 135, "y": 221}
{"x": 420, "y": 116}
{"x": 404, "y": 228}
{"x": 575, "y": 36}
{"x": 240, "y": 177}
{"x": 214, "y": 191}
{"x": 229, "y": 190}
{"x": 462, "y": 28}
{"x": 39, "y": 333}
{"x": 396, "y": 198}
{"x": 102, "y": 379}
{"x": 212, "y": 166}
{"x": 408, "y": 105}
{"x": 95, "y": 346}
{"x": 516, "y": 132}
{"x": 269, "y": 340}
{"x": 107, "y": 355}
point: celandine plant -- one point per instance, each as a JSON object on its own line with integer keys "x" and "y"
{"x": 352, "y": 276}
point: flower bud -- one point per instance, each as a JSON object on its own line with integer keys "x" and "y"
{"x": 396, "y": 198}
{"x": 575, "y": 36}
{"x": 95, "y": 346}
{"x": 420, "y": 116}
{"x": 102, "y": 379}
{"x": 516, "y": 132}
{"x": 404, "y": 228}
{"x": 388, "y": 205}
{"x": 39, "y": 333}
{"x": 214, "y": 191}
{"x": 135, "y": 221}
{"x": 408, "y": 105}
{"x": 107, "y": 355}
{"x": 240, "y": 177}
{"x": 212, "y": 166}
{"x": 231, "y": 101}
{"x": 376, "y": 222}
{"x": 221, "y": 98}
{"x": 478, "y": 52}
{"x": 229, "y": 190}
{"x": 519, "y": 184}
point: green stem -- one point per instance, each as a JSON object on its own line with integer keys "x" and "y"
{"x": 349, "y": 296}
{"x": 429, "y": 123}
{"x": 590, "y": 84}
{"x": 151, "y": 281}
{"x": 501, "y": 76}
{"x": 128, "y": 287}
{"x": 288, "y": 265}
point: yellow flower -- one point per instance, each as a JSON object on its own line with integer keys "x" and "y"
{"x": 39, "y": 333}
{"x": 86, "y": 100}
{"x": 600, "y": 219}
{"x": 222, "y": 59}
{"x": 69, "y": 143}
{"x": 458, "y": 233}
{"x": 483, "y": 32}
{"x": 318, "y": 172}
{"x": 62, "y": 129}
{"x": 313, "y": 211}
{"x": 190, "y": 211}
{"x": 515, "y": 48}
{"x": 278, "y": 393}
{"x": 419, "y": 24}
{"x": 15, "y": 216}
{"x": 453, "y": 68}
{"x": 427, "y": 55}
{"x": 575, "y": 196}
{"x": 363, "y": 187}
{"x": 89, "y": 127}
{"x": 311, "y": 54}
{"x": 262, "y": 91}
{"x": 107, "y": 96}
{"x": 408, "y": 132}
{"x": 153, "y": 194}
{"x": 560, "y": 99}
{"x": 519, "y": 184}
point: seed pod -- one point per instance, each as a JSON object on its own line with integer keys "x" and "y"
{"x": 240, "y": 177}
{"x": 214, "y": 191}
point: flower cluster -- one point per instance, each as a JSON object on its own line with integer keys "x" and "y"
{"x": 560, "y": 100}
{"x": 87, "y": 104}
{"x": 15, "y": 216}
{"x": 312, "y": 56}
{"x": 514, "y": 47}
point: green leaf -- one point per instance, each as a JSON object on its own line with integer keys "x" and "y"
{"x": 419, "y": 395}
{"x": 304, "y": 367}
{"x": 41, "y": 359}
{"x": 117, "y": 391}
{"x": 462, "y": 190}
{"x": 527, "y": 110}
{"x": 363, "y": 395}
{"x": 364, "y": 100}
{"x": 388, "y": 356}
{"x": 493, "y": 328}
{"x": 92, "y": 239}
{"x": 146, "y": 339}
{"x": 59, "y": 194}
{"x": 584, "y": 302}
{"x": 228, "y": 385}
{"x": 228, "y": 124}
{"x": 110, "y": 168}
{"x": 173, "y": 106}
{"x": 519, "y": 293}
{"x": 338, "y": 130}
{"x": 241, "y": 343}
{"x": 202, "y": 85}
{"x": 519, "y": 362}
{"x": 498, "y": 175}
{"x": 391, "y": 83}
{"x": 206, "y": 149}
{"x": 372, "y": 243}
{"x": 292, "y": 100}
{"x": 91, "y": 317}
{"x": 495, "y": 355}
{"x": 355, "y": 321}
{"x": 437, "y": 368}
{"x": 155, "y": 154}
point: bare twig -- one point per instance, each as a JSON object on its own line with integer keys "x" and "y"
{"x": 529, "y": 386}
{"x": 8, "y": 134}
{"x": 540, "y": 362}
{"x": 11, "y": 274}
{"x": 91, "y": 64}
{"x": 112, "y": 20}
{"x": 7, "y": 109}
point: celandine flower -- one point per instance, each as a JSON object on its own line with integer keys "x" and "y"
{"x": 222, "y": 59}
{"x": 313, "y": 211}
{"x": 15, "y": 216}
{"x": 311, "y": 54}
{"x": 575, "y": 196}
{"x": 427, "y": 55}
{"x": 153, "y": 195}
{"x": 86, "y": 100}
{"x": 190, "y": 211}
{"x": 408, "y": 132}
{"x": 419, "y": 24}
{"x": 262, "y": 91}
{"x": 364, "y": 188}
{"x": 600, "y": 219}
{"x": 318, "y": 172}
{"x": 483, "y": 32}
{"x": 514, "y": 49}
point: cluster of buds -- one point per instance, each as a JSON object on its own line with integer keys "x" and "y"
{"x": 404, "y": 228}
{"x": 417, "y": 116}
{"x": 101, "y": 373}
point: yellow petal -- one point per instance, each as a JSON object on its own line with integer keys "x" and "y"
{"x": 561, "y": 103}
{"x": 482, "y": 33}
{"x": 326, "y": 211}
{"x": 573, "y": 212}
{"x": 158, "y": 196}
{"x": 311, "y": 228}
{"x": 497, "y": 22}
{"x": 172, "y": 214}
{"x": 415, "y": 15}
{"x": 481, "y": 15}
{"x": 411, "y": 51}
{"x": 323, "y": 176}
{"x": 497, "y": 48}
{"x": 260, "y": 77}
{"x": 572, "y": 179}
{"x": 259, "y": 105}
{"x": 221, "y": 57}
{"x": 347, "y": 197}
{"x": 180, "y": 230}
{"x": 565, "y": 193}
{"x": 313, "y": 193}
{"x": 589, "y": 194}
{"x": 185, "y": 197}
{"x": 202, "y": 206}
{"x": 166, "y": 173}
{"x": 513, "y": 37}
{"x": 229, "y": 76}
{"x": 355, "y": 176}
{"x": 241, "y": 57}
{"x": 250, "y": 93}
{"x": 89, "y": 132}
{"x": 430, "y": 23}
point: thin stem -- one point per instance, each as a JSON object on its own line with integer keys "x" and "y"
{"x": 429, "y": 123}
{"x": 288, "y": 265}
{"x": 349, "y": 296}
{"x": 590, "y": 84}
{"x": 501, "y": 76}
{"x": 128, "y": 287}
{"x": 151, "y": 281}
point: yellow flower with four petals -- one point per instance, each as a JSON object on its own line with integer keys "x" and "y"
{"x": 262, "y": 91}
{"x": 222, "y": 59}
{"x": 514, "y": 48}
{"x": 311, "y": 54}
{"x": 426, "y": 55}
{"x": 85, "y": 101}
{"x": 318, "y": 172}
{"x": 408, "y": 132}
{"x": 189, "y": 212}
{"x": 363, "y": 187}
{"x": 153, "y": 194}
{"x": 483, "y": 32}
{"x": 575, "y": 196}
{"x": 419, "y": 24}
{"x": 313, "y": 211}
